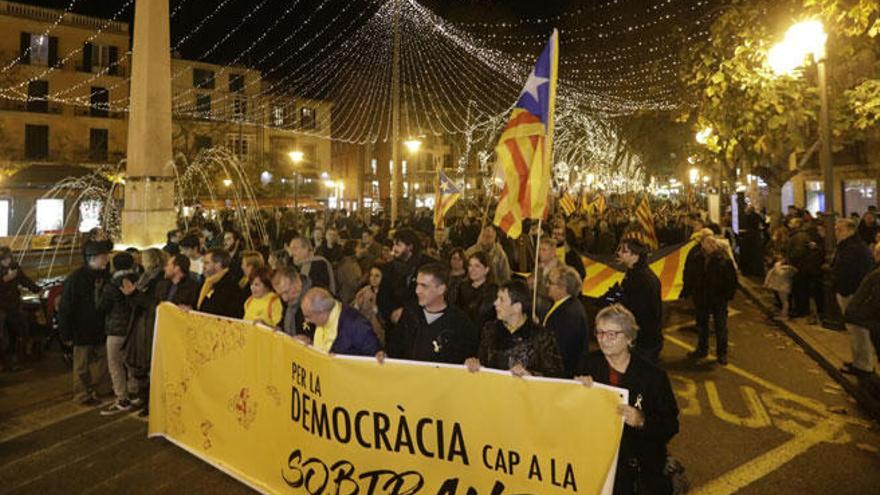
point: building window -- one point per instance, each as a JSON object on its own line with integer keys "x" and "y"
{"x": 278, "y": 116}
{"x": 100, "y": 57}
{"x": 240, "y": 144}
{"x": 38, "y": 94}
{"x": 308, "y": 118}
{"x": 4, "y": 217}
{"x": 36, "y": 49}
{"x": 202, "y": 142}
{"x": 373, "y": 166}
{"x": 815, "y": 196}
{"x": 36, "y": 142}
{"x": 239, "y": 108}
{"x": 858, "y": 195}
{"x": 50, "y": 215}
{"x": 236, "y": 83}
{"x": 99, "y": 102}
{"x": 203, "y": 106}
{"x": 89, "y": 214}
{"x": 203, "y": 78}
{"x": 98, "y": 145}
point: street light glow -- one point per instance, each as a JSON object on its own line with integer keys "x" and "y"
{"x": 802, "y": 39}
{"x": 296, "y": 156}
{"x": 694, "y": 175}
{"x": 413, "y": 145}
{"x": 703, "y": 136}
{"x": 227, "y": 182}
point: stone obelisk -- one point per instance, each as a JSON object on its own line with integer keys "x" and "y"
{"x": 149, "y": 185}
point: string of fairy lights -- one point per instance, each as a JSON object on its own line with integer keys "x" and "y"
{"x": 456, "y": 78}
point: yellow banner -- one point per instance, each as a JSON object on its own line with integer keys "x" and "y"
{"x": 284, "y": 418}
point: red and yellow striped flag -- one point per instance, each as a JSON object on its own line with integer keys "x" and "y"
{"x": 525, "y": 149}
{"x": 646, "y": 222}
{"x": 566, "y": 202}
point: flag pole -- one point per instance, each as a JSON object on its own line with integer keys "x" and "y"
{"x": 535, "y": 285}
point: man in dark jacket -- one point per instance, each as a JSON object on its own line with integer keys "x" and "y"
{"x": 807, "y": 254}
{"x": 432, "y": 330}
{"x": 12, "y": 318}
{"x": 117, "y": 317}
{"x": 852, "y": 262}
{"x": 567, "y": 318}
{"x": 339, "y": 328}
{"x": 291, "y": 286}
{"x": 710, "y": 280}
{"x": 82, "y": 324}
{"x": 317, "y": 268}
{"x": 398, "y": 287}
{"x": 220, "y": 295}
{"x": 567, "y": 253}
{"x": 864, "y": 306}
{"x": 640, "y": 293}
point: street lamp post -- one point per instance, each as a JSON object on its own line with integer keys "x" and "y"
{"x": 296, "y": 157}
{"x": 802, "y": 40}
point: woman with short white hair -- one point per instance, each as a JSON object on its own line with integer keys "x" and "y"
{"x": 650, "y": 418}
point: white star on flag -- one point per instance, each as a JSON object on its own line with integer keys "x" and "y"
{"x": 532, "y": 85}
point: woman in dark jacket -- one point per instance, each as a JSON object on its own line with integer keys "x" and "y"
{"x": 12, "y": 318}
{"x": 513, "y": 341}
{"x": 476, "y": 295}
{"x": 650, "y": 418}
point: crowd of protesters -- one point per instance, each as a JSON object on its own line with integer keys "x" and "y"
{"x": 465, "y": 294}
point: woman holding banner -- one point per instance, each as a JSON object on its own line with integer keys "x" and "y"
{"x": 514, "y": 342}
{"x": 650, "y": 418}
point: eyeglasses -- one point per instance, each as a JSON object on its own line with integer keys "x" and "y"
{"x": 608, "y": 334}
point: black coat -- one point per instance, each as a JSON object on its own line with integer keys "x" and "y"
{"x": 864, "y": 307}
{"x": 649, "y": 390}
{"x": 574, "y": 260}
{"x": 478, "y": 304}
{"x": 640, "y": 293}
{"x": 398, "y": 287}
{"x": 186, "y": 293}
{"x": 452, "y": 338}
{"x": 112, "y": 302}
{"x": 709, "y": 280}
{"x": 570, "y": 325}
{"x": 225, "y": 298}
{"x": 79, "y": 319}
{"x": 10, "y": 297}
{"x": 852, "y": 261}
{"x": 531, "y": 345}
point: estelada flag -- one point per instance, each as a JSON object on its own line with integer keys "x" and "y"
{"x": 447, "y": 194}
{"x": 525, "y": 149}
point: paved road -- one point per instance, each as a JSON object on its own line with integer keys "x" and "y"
{"x": 771, "y": 422}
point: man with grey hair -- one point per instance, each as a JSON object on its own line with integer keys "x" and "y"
{"x": 567, "y": 318}
{"x": 339, "y": 328}
{"x": 290, "y": 285}
{"x": 852, "y": 262}
{"x": 317, "y": 268}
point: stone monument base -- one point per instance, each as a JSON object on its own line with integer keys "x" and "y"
{"x": 149, "y": 211}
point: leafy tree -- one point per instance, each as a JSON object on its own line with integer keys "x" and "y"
{"x": 758, "y": 119}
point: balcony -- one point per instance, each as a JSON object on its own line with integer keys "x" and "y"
{"x": 33, "y": 106}
{"x": 117, "y": 70}
{"x": 98, "y": 113}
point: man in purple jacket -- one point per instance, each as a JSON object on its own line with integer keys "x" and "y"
{"x": 339, "y": 329}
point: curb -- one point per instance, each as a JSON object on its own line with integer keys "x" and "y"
{"x": 812, "y": 349}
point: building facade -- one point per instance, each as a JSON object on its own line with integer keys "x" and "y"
{"x": 64, "y": 97}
